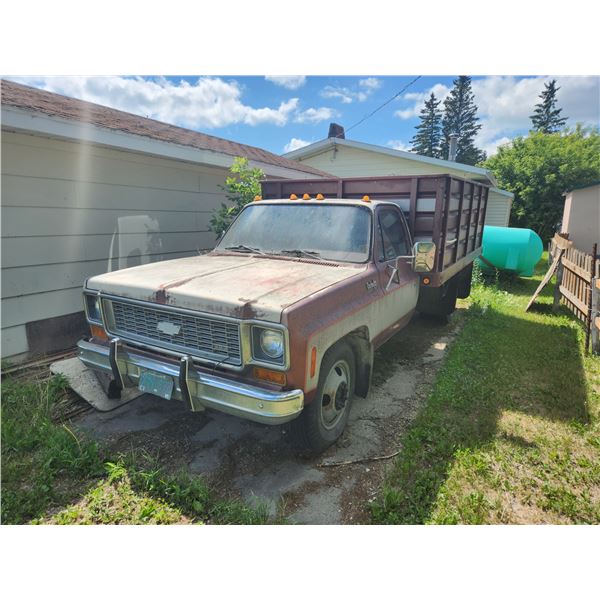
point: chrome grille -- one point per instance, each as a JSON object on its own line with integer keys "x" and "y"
{"x": 205, "y": 337}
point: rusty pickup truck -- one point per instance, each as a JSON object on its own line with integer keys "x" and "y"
{"x": 281, "y": 320}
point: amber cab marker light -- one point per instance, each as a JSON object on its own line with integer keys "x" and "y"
{"x": 257, "y": 198}
{"x": 426, "y": 281}
{"x": 293, "y": 197}
{"x": 306, "y": 197}
{"x": 313, "y": 361}
{"x": 320, "y": 197}
{"x": 270, "y": 376}
{"x": 366, "y": 198}
{"x": 98, "y": 332}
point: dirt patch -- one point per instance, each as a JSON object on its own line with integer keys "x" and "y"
{"x": 257, "y": 463}
{"x": 170, "y": 444}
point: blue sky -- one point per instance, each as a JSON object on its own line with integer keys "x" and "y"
{"x": 283, "y": 113}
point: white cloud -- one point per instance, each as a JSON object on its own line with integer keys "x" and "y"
{"x": 208, "y": 102}
{"x": 316, "y": 115}
{"x": 407, "y": 113}
{"x": 419, "y": 98}
{"x": 506, "y": 102}
{"x": 347, "y": 95}
{"x": 295, "y": 144}
{"x": 398, "y": 145}
{"x": 291, "y": 82}
{"x": 370, "y": 83}
{"x": 344, "y": 94}
{"x": 492, "y": 147}
{"x": 257, "y": 116}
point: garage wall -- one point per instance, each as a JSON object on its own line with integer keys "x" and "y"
{"x": 581, "y": 217}
{"x": 61, "y": 204}
{"x": 352, "y": 162}
{"x": 498, "y": 209}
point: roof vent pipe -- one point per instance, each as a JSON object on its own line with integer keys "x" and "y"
{"x": 452, "y": 146}
{"x": 336, "y": 131}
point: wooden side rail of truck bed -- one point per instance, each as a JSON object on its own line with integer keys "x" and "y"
{"x": 448, "y": 210}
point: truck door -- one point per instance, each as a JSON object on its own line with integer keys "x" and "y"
{"x": 398, "y": 282}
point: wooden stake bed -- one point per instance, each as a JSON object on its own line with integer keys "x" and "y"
{"x": 448, "y": 210}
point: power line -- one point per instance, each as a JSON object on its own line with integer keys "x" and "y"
{"x": 381, "y": 106}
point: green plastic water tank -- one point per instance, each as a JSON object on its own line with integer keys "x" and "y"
{"x": 511, "y": 249}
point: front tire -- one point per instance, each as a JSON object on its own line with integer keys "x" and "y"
{"x": 323, "y": 421}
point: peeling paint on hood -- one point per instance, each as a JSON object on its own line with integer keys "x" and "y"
{"x": 243, "y": 286}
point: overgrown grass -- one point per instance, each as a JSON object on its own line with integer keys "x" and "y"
{"x": 510, "y": 432}
{"x": 134, "y": 494}
{"x": 40, "y": 460}
{"x": 52, "y": 474}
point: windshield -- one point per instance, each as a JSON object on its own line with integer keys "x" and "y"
{"x": 340, "y": 233}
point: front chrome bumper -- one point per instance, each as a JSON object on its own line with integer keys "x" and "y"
{"x": 197, "y": 389}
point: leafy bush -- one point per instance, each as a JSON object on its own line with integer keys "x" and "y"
{"x": 242, "y": 186}
{"x": 540, "y": 168}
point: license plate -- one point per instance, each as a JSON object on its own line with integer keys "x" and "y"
{"x": 157, "y": 384}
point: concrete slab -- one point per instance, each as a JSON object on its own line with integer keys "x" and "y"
{"x": 144, "y": 413}
{"x": 269, "y": 486}
{"x": 321, "y": 507}
{"x": 437, "y": 351}
{"x": 86, "y": 384}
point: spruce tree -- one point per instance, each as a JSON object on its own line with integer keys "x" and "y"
{"x": 460, "y": 117}
{"x": 546, "y": 117}
{"x": 429, "y": 131}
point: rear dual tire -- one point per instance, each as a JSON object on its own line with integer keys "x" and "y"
{"x": 438, "y": 303}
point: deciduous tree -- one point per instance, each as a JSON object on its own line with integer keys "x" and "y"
{"x": 540, "y": 168}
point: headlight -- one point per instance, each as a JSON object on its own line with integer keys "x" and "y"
{"x": 92, "y": 308}
{"x": 268, "y": 345}
{"x": 271, "y": 343}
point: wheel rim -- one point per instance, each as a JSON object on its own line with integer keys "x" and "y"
{"x": 334, "y": 396}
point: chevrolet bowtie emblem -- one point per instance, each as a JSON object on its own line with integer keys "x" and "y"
{"x": 168, "y": 327}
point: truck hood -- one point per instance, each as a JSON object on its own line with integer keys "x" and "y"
{"x": 243, "y": 286}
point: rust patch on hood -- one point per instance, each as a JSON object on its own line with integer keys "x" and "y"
{"x": 246, "y": 310}
{"x": 161, "y": 296}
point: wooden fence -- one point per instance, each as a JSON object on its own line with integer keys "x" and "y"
{"x": 578, "y": 286}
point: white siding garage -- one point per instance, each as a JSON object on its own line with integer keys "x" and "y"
{"x": 347, "y": 158}
{"x": 59, "y": 216}
{"x": 79, "y": 199}
{"x": 498, "y": 208}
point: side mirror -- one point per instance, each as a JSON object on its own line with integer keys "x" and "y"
{"x": 423, "y": 257}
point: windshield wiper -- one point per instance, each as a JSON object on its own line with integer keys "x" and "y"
{"x": 298, "y": 252}
{"x": 242, "y": 248}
